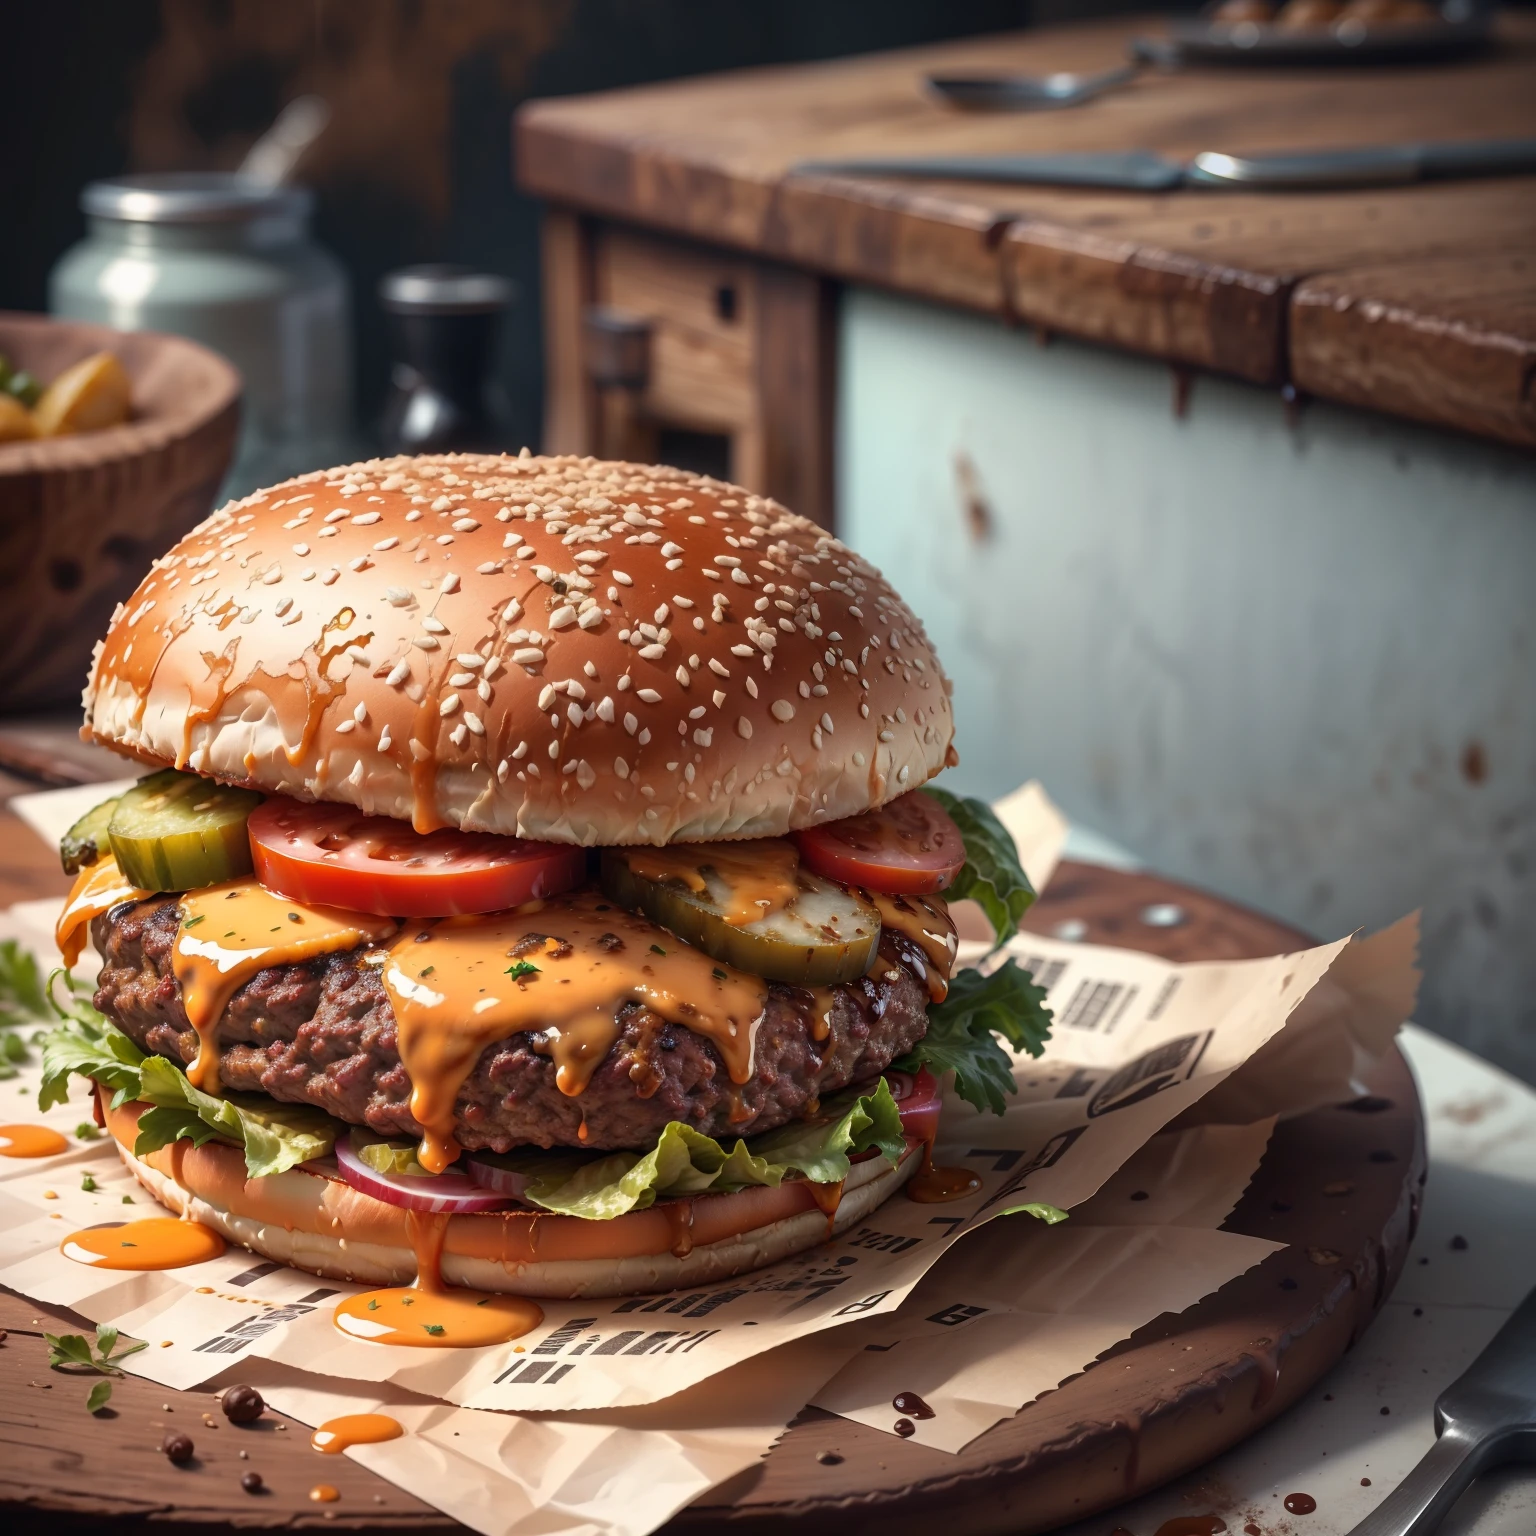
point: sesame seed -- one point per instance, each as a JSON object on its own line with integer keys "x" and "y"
{"x": 621, "y": 768}
{"x": 360, "y": 563}
{"x": 590, "y": 618}
{"x": 448, "y": 705}
{"x": 573, "y": 712}
{"x": 752, "y": 687}
{"x": 384, "y": 741}
{"x": 648, "y": 696}
{"x": 554, "y": 750}
{"x": 283, "y": 606}
{"x": 457, "y": 734}
{"x": 301, "y": 549}
{"x": 562, "y": 617}
{"x": 605, "y": 710}
{"x": 652, "y": 652}
{"x": 782, "y": 710}
{"x": 744, "y": 728}
{"x": 343, "y": 726}
{"x": 741, "y": 578}
{"x": 623, "y": 579}
{"x": 363, "y": 519}
{"x": 451, "y": 582}
{"x": 434, "y": 626}
{"x": 474, "y": 722}
{"x": 726, "y": 560}
{"x": 461, "y": 680}
{"x": 462, "y": 524}
{"x": 741, "y": 650}
{"x": 901, "y": 778}
{"x": 546, "y": 695}
{"x": 360, "y": 714}
{"x": 512, "y": 612}
{"x": 527, "y": 656}
{"x": 486, "y": 567}
{"x": 413, "y": 516}
{"x": 330, "y": 576}
{"x": 398, "y": 597}
{"x": 718, "y": 697}
{"x": 683, "y": 677}
{"x": 631, "y": 724}
{"x": 388, "y": 543}
{"x": 445, "y": 538}
{"x": 826, "y": 724}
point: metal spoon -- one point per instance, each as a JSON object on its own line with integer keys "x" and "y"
{"x": 1028, "y": 93}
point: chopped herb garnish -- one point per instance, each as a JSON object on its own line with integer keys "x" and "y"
{"x": 429, "y": 970}
{"x": 99, "y": 1396}
{"x": 521, "y": 969}
{"x": 128, "y": 1200}
{"x": 373, "y": 1306}
{"x": 656, "y": 949}
{"x": 86, "y": 1131}
{"x": 435, "y": 1329}
{"x": 718, "y": 974}
{"x": 192, "y": 922}
{"x": 88, "y": 1184}
{"x": 73, "y": 1351}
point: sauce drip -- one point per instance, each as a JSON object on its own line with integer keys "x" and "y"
{"x": 932, "y": 1185}
{"x": 904, "y": 1428}
{"x": 337, "y": 1435}
{"x": 98, "y": 888}
{"x": 928, "y": 927}
{"x": 422, "y": 1319}
{"x": 31, "y": 1141}
{"x": 455, "y": 990}
{"x": 679, "y": 1214}
{"x": 1192, "y": 1525}
{"x": 912, "y": 1405}
{"x": 230, "y": 932}
{"x": 323, "y": 1493}
{"x": 429, "y": 1315}
{"x": 1300, "y": 1504}
{"x": 828, "y": 1197}
{"x": 159, "y": 1243}
{"x": 759, "y": 876}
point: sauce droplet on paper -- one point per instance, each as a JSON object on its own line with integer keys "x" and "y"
{"x": 422, "y": 1319}
{"x": 1192, "y": 1525}
{"x": 337, "y": 1435}
{"x": 1300, "y": 1503}
{"x": 932, "y": 1185}
{"x": 912, "y": 1405}
{"x": 31, "y": 1141}
{"x": 905, "y": 1427}
{"x": 323, "y": 1493}
{"x": 159, "y": 1243}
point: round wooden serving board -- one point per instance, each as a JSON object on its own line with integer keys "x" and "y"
{"x": 1176, "y": 1393}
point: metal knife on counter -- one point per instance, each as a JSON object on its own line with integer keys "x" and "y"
{"x": 1377, "y": 165}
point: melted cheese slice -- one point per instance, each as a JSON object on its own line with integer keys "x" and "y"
{"x": 98, "y": 888}
{"x": 560, "y": 969}
{"x": 230, "y": 932}
{"x": 759, "y": 875}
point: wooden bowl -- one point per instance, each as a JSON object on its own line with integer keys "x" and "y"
{"x": 82, "y": 517}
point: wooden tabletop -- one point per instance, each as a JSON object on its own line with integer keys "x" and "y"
{"x": 1420, "y": 301}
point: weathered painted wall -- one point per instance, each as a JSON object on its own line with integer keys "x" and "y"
{"x": 1293, "y": 664}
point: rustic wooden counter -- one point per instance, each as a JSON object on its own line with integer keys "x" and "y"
{"x": 1418, "y": 301}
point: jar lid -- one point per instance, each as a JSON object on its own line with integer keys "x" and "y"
{"x": 192, "y": 197}
{"x": 440, "y": 288}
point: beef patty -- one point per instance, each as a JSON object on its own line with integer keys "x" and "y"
{"x": 322, "y": 1032}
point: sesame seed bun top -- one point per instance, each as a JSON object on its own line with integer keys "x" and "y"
{"x": 555, "y": 648}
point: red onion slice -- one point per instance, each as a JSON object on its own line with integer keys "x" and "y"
{"x": 450, "y": 1193}
{"x": 504, "y": 1181}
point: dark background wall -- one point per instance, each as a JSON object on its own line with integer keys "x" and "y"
{"x": 415, "y": 165}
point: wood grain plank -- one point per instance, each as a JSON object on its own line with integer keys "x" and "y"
{"x": 1450, "y": 341}
{"x": 570, "y": 402}
{"x": 1203, "y": 279}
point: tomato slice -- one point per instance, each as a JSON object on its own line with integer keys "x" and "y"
{"x": 909, "y": 846}
{"x": 335, "y": 856}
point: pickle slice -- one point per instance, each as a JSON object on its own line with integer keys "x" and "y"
{"x": 86, "y": 841}
{"x": 176, "y": 832}
{"x": 822, "y": 936}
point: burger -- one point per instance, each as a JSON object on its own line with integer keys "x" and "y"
{"x": 532, "y": 887}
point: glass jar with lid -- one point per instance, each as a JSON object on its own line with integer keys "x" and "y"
{"x": 229, "y": 262}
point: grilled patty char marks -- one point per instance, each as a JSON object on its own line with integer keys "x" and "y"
{"x": 322, "y": 1032}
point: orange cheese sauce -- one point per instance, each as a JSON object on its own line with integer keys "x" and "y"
{"x": 230, "y": 932}
{"x": 31, "y": 1141}
{"x": 421, "y": 1319}
{"x": 159, "y": 1243}
{"x": 926, "y": 924}
{"x": 337, "y": 1435}
{"x": 454, "y": 989}
{"x": 98, "y": 888}
{"x": 759, "y": 875}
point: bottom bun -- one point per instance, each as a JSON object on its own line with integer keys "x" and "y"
{"x": 322, "y": 1224}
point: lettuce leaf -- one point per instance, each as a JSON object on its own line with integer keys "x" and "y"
{"x": 686, "y": 1162}
{"x": 274, "y": 1136}
{"x": 963, "y": 1030}
{"x": 992, "y": 877}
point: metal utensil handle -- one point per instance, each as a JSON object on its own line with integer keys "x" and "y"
{"x": 1419, "y": 1503}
